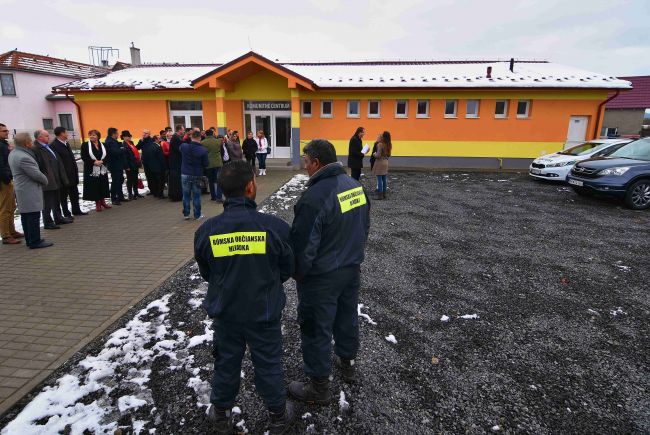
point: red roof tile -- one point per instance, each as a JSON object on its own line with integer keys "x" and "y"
{"x": 637, "y": 98}
{"x": 18, "y": 60}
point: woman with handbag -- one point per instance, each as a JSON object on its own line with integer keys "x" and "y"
{"x": 134, "y": 164}
{"x": 380, "y": 168}
{"x": 93, "y": 154}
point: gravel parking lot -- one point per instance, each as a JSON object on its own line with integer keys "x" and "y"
{"x": 491, "y": 303}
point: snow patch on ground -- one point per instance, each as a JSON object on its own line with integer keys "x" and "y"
{"x": 617, "y": 312}
{"x": 469, "y": 316}
{"x": 287, "y": 193}
{"x": 364, "y": 316}
{"x": 204, "y": 338}
{"x": 444, "y": 318}
{"x": 391, "y": 338}
{"x": 344, "y": 405}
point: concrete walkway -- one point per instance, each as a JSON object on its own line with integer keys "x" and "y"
{"x": 54, "y": 301}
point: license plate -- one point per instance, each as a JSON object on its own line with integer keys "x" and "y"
{"x": 535, "y": 171}
{"x": 575, "y": 182}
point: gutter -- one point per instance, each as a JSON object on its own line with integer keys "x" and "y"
{"x": 600, "y": 112}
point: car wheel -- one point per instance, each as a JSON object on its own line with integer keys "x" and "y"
{"x": 637, "y": 196}
{"x": 582, "y": 191}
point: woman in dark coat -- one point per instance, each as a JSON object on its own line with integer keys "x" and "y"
{"x": 355, "y": 153}
{"x": 93, "y": 154}
{"x": 174, "y": 187}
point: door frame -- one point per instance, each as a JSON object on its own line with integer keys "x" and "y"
{"x": 570, "y": 141}
{"x": 274, "y": 154}
{"x": 187, "y": 114}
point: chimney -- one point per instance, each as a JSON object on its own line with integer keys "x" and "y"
{"x": 135, "y": 55}
{"x": 489, "y": 72}
{"x": 512, "y": 64}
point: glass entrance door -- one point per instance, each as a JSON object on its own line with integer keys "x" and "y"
{"x": 187, "y": 119}
{"x": 277, "y": 129}
{"x": 282, "y": 137}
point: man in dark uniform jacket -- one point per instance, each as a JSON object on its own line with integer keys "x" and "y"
{"x": 62, "y": 148}
{"x": 50, "y": 164}
{"x": 116, "y": 165}
{"x": 246, "y": 306}
{"x": 328, "y": 237}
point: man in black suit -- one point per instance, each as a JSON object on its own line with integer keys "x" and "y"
{"x": 62, "y": 148}
{"x": 50, "y": 164}
{"x": 116, "y": 165}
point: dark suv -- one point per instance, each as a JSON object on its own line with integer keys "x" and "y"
{"x": 624, "y": 174}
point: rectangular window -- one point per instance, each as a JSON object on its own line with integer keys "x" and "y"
{"x": 374, "y": 109}
{"x": 501, "y": 109}
{"x": 65, "y": 121}
{"x": 353, "y": 109}
{"x": 48, "y": 124}
{"x": 306, "y": 109}
{"x": 423, "y": 109}
{"x": 472, "y": 109}
{"x": 610, "y": 132}
{"x": 7, "y": 84}
{"x": 523, "y": 109}
{"x": 185, "y": 105}
{"x": 401, "y": 109}
{"x": 326, "y": 109}
{"x": 450, "y": 108}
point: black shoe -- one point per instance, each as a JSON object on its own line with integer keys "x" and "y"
{"x": 64, "y": 221}
{"x": 139, "y": 196}
{"x": 79, "y": 213}
{"x": 124, "y": 200}
{"x": 281, "y": 423}
{"x": 41, "y": 244}
{"x": 68, "y": 216}
{"x": 347, "y": 368}
{"x": 116, "y": 202}
{"x": 314, "y": 391}
{"x": 221, "y": 420}
{"x": 51, "y": 226}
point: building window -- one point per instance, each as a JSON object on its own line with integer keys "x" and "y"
{"x": 472, "y": 109}
{"x": 501, "y": 109}
{"x": 48, "y": 124}
{"x": 523, "y": 109}
{"x": 306, "y": 109}
{"x": 374, "y": 109}
{"x": 450, "y": 108}
{"x": 65, "y": 121}
{"x": 326, "y": 109}
{"x": 423, "y": 109}
{"x": 401, "y": 109}
{"x": 185, "y": 105}
{"x": 7, "y": 84}
{"x": 610, "y": 132}
{"x": 353, "y": 109}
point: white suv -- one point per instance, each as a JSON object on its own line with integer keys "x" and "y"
{"x": 557, "y": 166}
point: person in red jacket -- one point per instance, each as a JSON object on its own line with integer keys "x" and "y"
{"x": 133, "y": 166}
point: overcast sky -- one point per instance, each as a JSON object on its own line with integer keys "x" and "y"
{"x": 602, "y": 36}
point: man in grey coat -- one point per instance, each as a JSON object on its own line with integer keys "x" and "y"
{"x": 52, "y": 166}
{"x": 28, "y": 185}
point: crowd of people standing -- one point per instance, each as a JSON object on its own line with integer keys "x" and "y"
{"x": 381, "y": 152}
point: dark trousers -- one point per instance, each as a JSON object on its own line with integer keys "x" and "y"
{"x": 264, "y": 341}
{"x": 155, "y": 181}
{"x": 215, "y": 190}
{"x": 327, "y": 305}
{"x": 355, "y": 173}
{"x": 52, "y": 206}
{"x": 31, "y": 228}
{"x": 251, "y": 161}
{"x": 117, "y": 179}
{"x": 132, "y": 182}
{"x": 71, "y": 192}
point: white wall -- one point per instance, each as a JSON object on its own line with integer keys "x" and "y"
{"x": 25, "y": 111}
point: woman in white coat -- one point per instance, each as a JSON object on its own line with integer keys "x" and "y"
{"x": 262, "y": 151}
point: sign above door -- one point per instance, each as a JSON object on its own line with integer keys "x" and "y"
{"x": 267, "y": 105}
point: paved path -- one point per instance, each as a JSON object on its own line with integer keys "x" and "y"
{"x": 54, "y": 301}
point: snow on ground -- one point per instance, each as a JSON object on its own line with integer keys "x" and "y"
{"x": 286, "y": 194}
{"x": 469, "y": 316}
{"x": 365, "y": 316}
{"x": 444, "y": 318}
{"x": 391, "y": 338}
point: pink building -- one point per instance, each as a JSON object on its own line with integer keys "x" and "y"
{"x": 26, "y": 100}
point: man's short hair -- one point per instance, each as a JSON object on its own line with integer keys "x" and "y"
{"x": 180, "y": 127}
{"x": 234, "y": 177}
{"x": 111, "y": 131}
{"x": 21, "y": 139}
{"x": 196, "y": 134}
{"x": 209, "y": 133}
{"x": 38, "y": 133}
{"x": 59, "y": 130}
{"x": 2, "y": 125}
{"x": 320, "y": 149}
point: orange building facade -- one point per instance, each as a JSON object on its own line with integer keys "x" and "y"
{"x": 440, "y": 114}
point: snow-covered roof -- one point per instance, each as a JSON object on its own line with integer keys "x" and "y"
{"x": 36, "y": 63}
{"x": 355, "y": 75}
{"x": 144, "y": 77}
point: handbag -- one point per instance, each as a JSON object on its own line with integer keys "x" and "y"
{"x": 140, "y": 183}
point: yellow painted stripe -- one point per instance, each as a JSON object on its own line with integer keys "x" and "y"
{"x": 463, "y": 148}
{"x": 295, "y": 119}
{"x": 221, "y": 119}
{"x": 143, "y": 95}
{"x": 469, "y": 94}
{"x": 219, "y": 93}
{"x": 295, "y": 93}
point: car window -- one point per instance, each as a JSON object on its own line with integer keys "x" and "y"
{"x": 582, "y": 149}
{"x": 607, "y": 151}
{"x": 638, "y": 150}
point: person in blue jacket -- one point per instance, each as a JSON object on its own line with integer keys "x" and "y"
{"x": 246, "y": 307}
{"x": 328, "y": 237}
